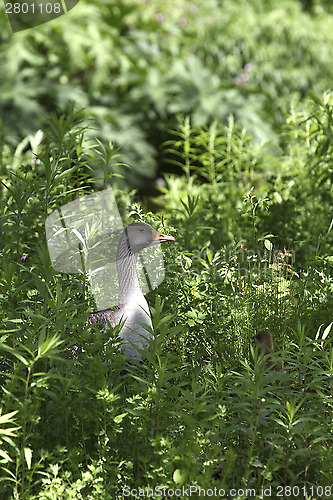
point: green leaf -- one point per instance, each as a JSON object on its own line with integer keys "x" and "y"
{"x": 327, "y": 331}
{"x": 15, "y": 353}
{"x": 28, "y": 456}
{"x": 7, "y": 417}
{"x": 269, "y": 245}
{"x": 119, "y": 418}
{"x": 9, "y": 431}
{"x": 5, "y": 457}
{"x": 277, "y": 197}
{"x": 50, "y": 344}
{"x": 179, "y": 477}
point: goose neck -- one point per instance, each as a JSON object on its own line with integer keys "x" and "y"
{"x": 129, "y": 287}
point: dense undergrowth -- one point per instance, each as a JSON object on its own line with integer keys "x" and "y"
{"x": 253, "y": 238}
{"x": 134, "y": 65}
{"x": 229, "y": 102}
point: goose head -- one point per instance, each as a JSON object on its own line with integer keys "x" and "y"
{"x": 140, "y": 235}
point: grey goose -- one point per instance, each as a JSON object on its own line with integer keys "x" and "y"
{"x": 132, "y": 309}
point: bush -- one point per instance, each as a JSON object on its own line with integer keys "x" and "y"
{"x": 135, "y": 67}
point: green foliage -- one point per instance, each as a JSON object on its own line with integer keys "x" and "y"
{"x": 243, "y": 193}
{"x": 200, "y": 411}
{"x": 250, "y": 205}
{"x": 135, "y": 66}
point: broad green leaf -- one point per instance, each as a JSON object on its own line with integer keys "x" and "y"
{"x": 179, "y": 477}
{"x": 269, "y": 245}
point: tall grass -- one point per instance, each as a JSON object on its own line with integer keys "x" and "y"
{"x": 199, "y": 411}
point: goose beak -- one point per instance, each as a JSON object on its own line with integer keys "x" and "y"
{"x": 161, "y": 238}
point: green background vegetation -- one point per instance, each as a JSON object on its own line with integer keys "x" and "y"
{"x": 213, "y": 121}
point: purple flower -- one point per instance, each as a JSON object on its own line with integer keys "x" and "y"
{"x": 24, "y": 257}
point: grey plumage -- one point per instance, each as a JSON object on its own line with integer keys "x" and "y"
{"x": 132, "y": 308}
